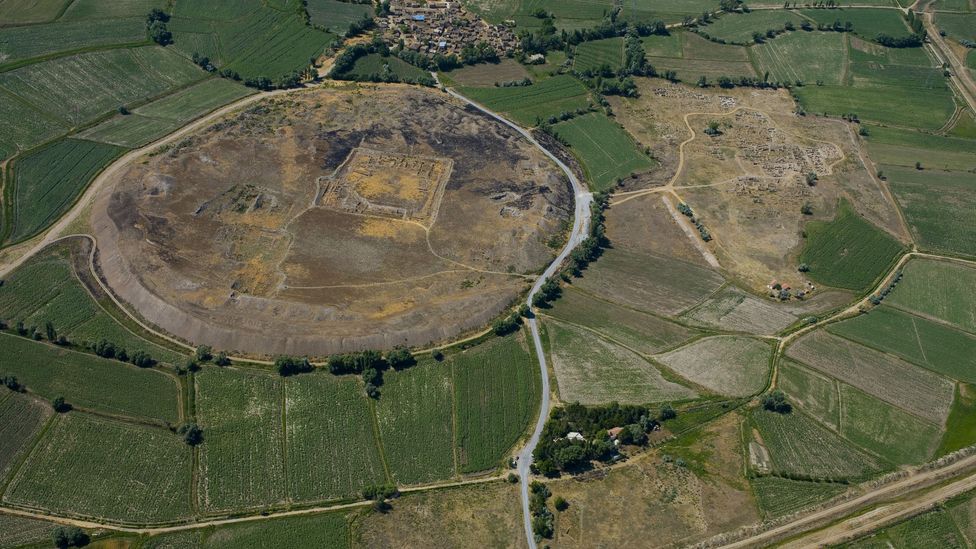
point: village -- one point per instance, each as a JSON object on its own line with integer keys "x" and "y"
{"x": 442, "y": 27}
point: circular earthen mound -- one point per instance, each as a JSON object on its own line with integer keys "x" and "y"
{"x": 332, "y": 220}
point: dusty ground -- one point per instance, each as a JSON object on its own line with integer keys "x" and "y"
{"x": 332, "y": 220}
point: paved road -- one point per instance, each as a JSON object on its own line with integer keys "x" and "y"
{"x": 581, "y": 228}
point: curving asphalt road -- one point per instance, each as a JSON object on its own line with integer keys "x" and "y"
{"x": 581, "y": 228}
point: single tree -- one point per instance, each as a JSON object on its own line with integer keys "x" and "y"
{"x": 60, "y": 405}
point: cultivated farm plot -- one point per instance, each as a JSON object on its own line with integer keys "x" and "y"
{"x": 496, "y": 387}
{"x": 21, "y": 419}
{"x": 131, "y": 131}
{"x": 20, "y": 43}
{"x": 938, "y": 289}
{"x": 569, "y": 15}
{"x": 901, "y": 147}
{"x": 738, "y": 27}
{"x": 961, "y": 26}
{"x": 780, "y": 496}
{"x": 591, "y": 371}
{"x": 87, "y": 10}
{"x": 241, "y": 461}
{"x": 938, "y": 205}
{"x": 801, "y": 447}
{"x": 336, "y": 16}
{"x": 691, "y": 56}
{"x": 914, "y": 389}
{"x": 728, "y": 365}
{"x": 867, "y": 23}
{"x": 16, "y": 531}
{"x": 325, "y": 531}
{"x": 20, "y": 12}
{"x": 331, "y": 449}
{"x": 24, "y": 125}
{"x": 595, "y": 54}
{"x": 415, "y": 413}
{"x": 488, "y": 74}
{"x": 885, "y": 430}
{"x": 648, "y": 282}
{"x": 376, "y": 64}
{"x": 931, "y": 529}
{"x": 931, "y": 108}
{"x": 807, "y": 57}
{"x": 640, "y": 331}
{"x": 106, "y": 469}
{"x": 526, "y": 104}
{"x": 607, "y": 152}
{"x": 87, "y": 381}
{"x": 270, "y": 42}
{"x": 816, "y": 394}
{"x": 929, "y": 344}
{"x": 735, "y": 310}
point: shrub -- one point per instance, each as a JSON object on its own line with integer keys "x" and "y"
{"x": 289, "y": 365}
{"x": 204, "y": 353}
{"x": 400, "y": 358}
{"x": 191, "y": 432}
{"x": 776, "y": 402}
{"x": 60, "y": 405}
{"x": 68, "y": 536}
{"x": 560, "y": 503}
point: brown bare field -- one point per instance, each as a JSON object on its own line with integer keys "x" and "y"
{"x": 330, "y": 220}
{"x": 649, "y": 503}
{"x": 482, "y": 515}
{"x": 488, "y": 74}
{"x": 728, "y": 365}
{"x": 734, "y": 309}
{"x": 644, "y": 225}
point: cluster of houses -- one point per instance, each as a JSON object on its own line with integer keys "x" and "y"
{"x": 783, "y": 291}
{"x": 442, "y": 27}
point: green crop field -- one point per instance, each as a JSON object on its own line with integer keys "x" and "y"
{"x": 912, "y": 388}
{"x": 496, "y": 387}
{"x": 21, "y": 419}
{"x": 24, "y": 125}
{"x": 734, "y": 309}
{"x": 539, "y": 101}
{"x": 664, "y": 45}
{"x": 325, "y": 531}
{"x": 607, "y": 152}
{"x": 20, "y": 43}
{"x": 691, "y": 56}
{"x": 728, "y": 365}
{"x": 218, "y": 10}
{"x": 866, "y": 22}
{"x": 593, "y": 55}
{"x": 669, "y": 11}
{"x": 930, "y": 109}
{"x": 961, "y": 26}
{"x": 336, "y": 16}
{"x": 106, "y": 469}
{"x": 800, "y": 447}
{"x": 331, "y": 448}
{"x": 416, "y": 419}
{"x": 81, "y": 87}
{"x": 375, "y": 63}
{"x": 938, "y": 205}
{"x": 47, "y": 290}
{"x": 569, "y": 15}
{"x": 960, "y": 430}
{"x": 932, "y": 529}
{"x": 807, "y": 57}
{"x": 848, "y": 251}
{"x": 648, "y": 282}
{"x": 899, "y": 147}
{"x": 590, "y": 370}
{"x": 938, "y": 289}
{"x": 85, "y": 10}
{"x": 781, "y": 496}
{"x": 738, "y": 27}
{"x": 932, "y": 345}
{"x": 88, "y": 381}
{"x": 817, "y": 395}
{"x": 881, "y": 428}
{"x": 30, "y": 11}
{"x": 640, "y": 331}
{"x": 130, "y": 131}
{"x": 241, "y": 462}
{"x": 49, "y": 180}
{"x": 17, "y": 531}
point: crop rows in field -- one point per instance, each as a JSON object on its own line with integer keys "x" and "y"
{"x": 728, "y": 365}
{"x": 591, "y": 370}
{"x": 17, "y": 531}
{"x": 496, "y": 388}
{"x": 779, "y": 496}
{"x": 89, "y": 10}
{"x": 30, "y": 11}
{"x": 640, "y": 331}
{"x": 866, "y": 22}
{"x": 900, "y": 147}
{"x": 89, "y": 381}
{"x": 885, "y": 430}
{"x": 416, "y": 415}
{"x": 322, "y": 531}
{"x": 807, "y": 57}
{"x": 595, "y": 54}
{"x": 938, "y": 289}
{"x": 21, "y": 418}
{"x": 335, "y": 15}
{"x": 691, "y": 56}
{"x": 24, "y": 125}
{"x": 932, "y": 529}
{"x": 735, "y": 310}
{"x": 739, "y": 27}
{"x": 606, "y": 150}
{"x": 539, "y": 101}
{"x": 220, "y": 10}
{"x": 332, "y": 451}
{"x": 107, "y": 469}
{"x": 270, "y": 43}
{"x": 20, "y": 43}
{"x": 900, "y": 383}
{"x": 131, "y": 131}
{"x": 818, "y": 395}
{"x": 847, "y": 251}
{"x": 961, "y": 26}
{"x": 930, "y": 108}
{"x": 375, "y": 63}
{"x": 800, "y": 447}
{"x": 241, "y": 461}
{"x": 569, "y": 15}
{"x": 938, "y": 206}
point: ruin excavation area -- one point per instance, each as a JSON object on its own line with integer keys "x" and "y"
{"x": 332, "y": 221}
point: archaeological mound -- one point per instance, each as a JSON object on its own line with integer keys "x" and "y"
{"x": 332, "y": 220}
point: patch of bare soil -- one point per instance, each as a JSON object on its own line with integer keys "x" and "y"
{"x": 332, "y": 220}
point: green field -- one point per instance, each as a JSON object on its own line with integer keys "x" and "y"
{"x": 84, "y": 10}
{"x": 526, "y": 105}
{"x": 21, "y": 419}
{"x": 848, "y": 251}
{"x": 807, "y": 57}
{"x": 691, "y": 56}
{"x": 781, "y": 496}
{"x": 335, "y": 16}
{"x": 415, "y": 415}
{"x": 376, "y": 64}
{"x": 46, "y": 289}
{"x": 899, "y": 147}
{"x": 960, "y": 429}
{"x": 938, "y": 289}
{"x": 131, "y": 131}
{"x": 799, "y": 447}
{"x": 241, "y": 462}
{"x": 728, "y": 365}
{"x": 331, "y": 448}
{"x": 31, "y": 11}
{"x": 669, "y": 11}
{"x": 932, "y": 529}
{"x": 938, "y": 205}
{"x": 591, "y": 371}
{"x": 738, "y": 27}
{"x": 24, "y": 126}
{"x": 929, "y": 344}
{"x": 49, "y": 180}
{"x": 496, "y": 387}
{"x": 595, "y": 54}
{"x": 605, "y": 149}
{"x": 817, "y": 395}
{"x": 21, "y": 43}
{"x": 325, "y": 531}
{"x": 930, "y": 108}
{"x": 881, "y": 428}
{"x": 87, "y": 381}
{"x": 961, "y": 26}
{"x": 640, "y": 331}
{"x": 866, "y": 22}
{"x": 569, "y": 15}
{"x": 106, "y": 469}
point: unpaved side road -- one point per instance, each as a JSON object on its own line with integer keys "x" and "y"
{"x": 581, "y": 228}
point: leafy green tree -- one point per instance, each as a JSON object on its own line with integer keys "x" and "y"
{"x": 59, "y": 405}
{"x": 191, "y": 432}
{"x": 204, "y": 353}
{"x": 400, "y": 358}
{"x": 68, "y": 536}
{"x": 52, "y": 334}
{"x": 776, "y": 401}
